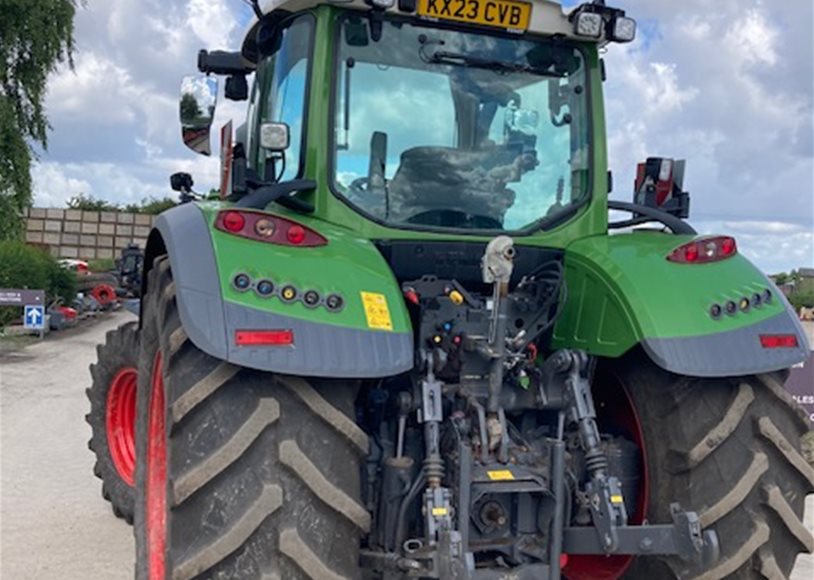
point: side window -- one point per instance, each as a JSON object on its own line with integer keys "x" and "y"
{"x": 284, "y": 79}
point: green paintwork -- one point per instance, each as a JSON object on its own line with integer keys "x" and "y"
{"x": 622, "y": 289}
{"x": 592, "y": 219}
{"x": 347, "y": 265}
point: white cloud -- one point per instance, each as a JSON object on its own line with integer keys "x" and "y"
{"x": 725, "y": 84}
{"x": 772, "y": 246}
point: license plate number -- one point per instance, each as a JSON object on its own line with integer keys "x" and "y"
{"x": 505, "y": 14}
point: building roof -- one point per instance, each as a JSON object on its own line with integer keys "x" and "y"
{"x": 806, "y": 272}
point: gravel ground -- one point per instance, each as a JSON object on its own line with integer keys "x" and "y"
{"x": 53, "y": 522}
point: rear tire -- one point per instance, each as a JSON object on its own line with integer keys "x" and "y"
{"x": 262, "y": 471}
{"x": 728, "y": 449}
{"x": 112, "y": 397}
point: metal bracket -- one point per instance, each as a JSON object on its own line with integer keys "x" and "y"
{"x": 682, "y": 538}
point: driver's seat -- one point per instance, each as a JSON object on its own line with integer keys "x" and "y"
{"x": 440, "y": 179}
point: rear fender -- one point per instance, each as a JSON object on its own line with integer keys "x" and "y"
{"x": 622, "y": 291}
{"x": 370, "y": 336}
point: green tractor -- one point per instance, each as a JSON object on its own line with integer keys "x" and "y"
{"x": 408, "y": 342}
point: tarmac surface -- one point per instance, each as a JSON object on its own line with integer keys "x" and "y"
{"x": 54, "y": 524}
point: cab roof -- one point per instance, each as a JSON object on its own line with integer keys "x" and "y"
{"x": 547, "y": 17}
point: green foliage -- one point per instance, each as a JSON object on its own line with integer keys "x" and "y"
{"x": 190, "y": 110}
{"x": 781, "y": 278}
{"x": 36, "y": 37}
{"x": 102, "y": 265}
{"x": 90, "y": 203}
{"x": 151, "y": 206}
{"x": 802, "y": 299}
{"x": 24, "y": 266}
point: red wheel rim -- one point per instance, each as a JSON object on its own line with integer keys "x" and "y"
{"x": 156, "y": 484}
{"x": 120, "y": 420}
{"x": 103, "y": 293}
{"x": 615, "y": 412}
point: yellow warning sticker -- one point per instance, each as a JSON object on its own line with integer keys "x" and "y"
{"x": 500, "y": 475}
{"x": 439, "y": 511}
{"x": 616, "y": 499}
{"x": 376, "y": 311}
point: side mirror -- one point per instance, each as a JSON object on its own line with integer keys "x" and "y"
{"x": 660, "y": 184}
{"x": 197, "y": 110}
{"x": 275, "y": 137}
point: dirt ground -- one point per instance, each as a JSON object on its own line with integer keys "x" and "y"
{"x": 53, "y": 522}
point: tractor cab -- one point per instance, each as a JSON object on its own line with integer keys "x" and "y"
{"x": 405, "y": 346}
{"x": 465, "y": 116}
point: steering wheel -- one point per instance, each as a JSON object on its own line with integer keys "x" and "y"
{"x": 454, "y": 218}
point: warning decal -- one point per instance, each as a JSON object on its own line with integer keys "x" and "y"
{"x": 376, "y": 311}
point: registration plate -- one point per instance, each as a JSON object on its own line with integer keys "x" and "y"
{"x": 505, "y": 14}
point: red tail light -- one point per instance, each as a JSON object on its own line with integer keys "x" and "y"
{"x": 704, "y": 251}
{"x": 264, "y": 337}
{"x": 269, "y": 228}
{"x": 233, "y": 221}
{"x": 778, "y": 341}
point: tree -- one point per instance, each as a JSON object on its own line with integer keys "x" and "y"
{"x": 802, "y": 299}
{"x": 190, "y": 111}
{"x": 151, "y": 206}
{"x": 90, "y": 203}
{"x": 36, "y": 38}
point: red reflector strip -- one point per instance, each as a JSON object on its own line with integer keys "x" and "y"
{"x": 264, "y": 337}
{"x": 778, "y": 341}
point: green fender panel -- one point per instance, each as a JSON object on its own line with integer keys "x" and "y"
{"x": 622, "y": 291}
{"x": 370, "y": 335}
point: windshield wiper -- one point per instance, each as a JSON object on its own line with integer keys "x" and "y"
{"x": 458, "y": 59}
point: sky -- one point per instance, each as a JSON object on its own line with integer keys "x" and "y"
{"x": 726, "y": 84}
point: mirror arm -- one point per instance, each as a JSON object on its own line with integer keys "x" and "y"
{"x": 265, "y": 194}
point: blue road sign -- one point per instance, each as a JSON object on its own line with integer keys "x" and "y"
{"x": 34, "y": 316}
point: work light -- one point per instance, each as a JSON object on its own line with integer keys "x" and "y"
{"x": 588, "y": 24}
{"x": 623, "y": 29}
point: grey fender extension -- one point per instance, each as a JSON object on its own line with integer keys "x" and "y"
{"x": 731, "y": 353}
{"x": 210, "y": 322}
